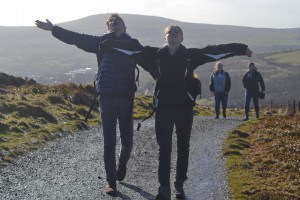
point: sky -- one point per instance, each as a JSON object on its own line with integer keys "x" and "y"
{"x": 251, "y": 13}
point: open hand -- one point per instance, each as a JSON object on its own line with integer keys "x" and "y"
{"x": 249, "y": 52}
{"x": 48, "y": 26}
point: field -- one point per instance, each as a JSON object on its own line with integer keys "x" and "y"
{"x": 287, "y": 58}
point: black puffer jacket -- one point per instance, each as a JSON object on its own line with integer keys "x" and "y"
{"x": 116, "y": 71}
{"x": 251, "y": 82}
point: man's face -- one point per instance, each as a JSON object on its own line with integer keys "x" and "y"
{"x": 174, "y": 36}
{"x": 252, "y": 67}
{"x": 116, "y": 24}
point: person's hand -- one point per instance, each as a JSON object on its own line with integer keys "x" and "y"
{"x": 249, "y": 52}
{"x": 48, "y": 26}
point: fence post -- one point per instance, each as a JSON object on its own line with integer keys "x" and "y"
{"x": 271, "y": 103}
{"x": 298, "y": 105}
{"x": 294, "y": 107}
{"x": 290, "y": 108}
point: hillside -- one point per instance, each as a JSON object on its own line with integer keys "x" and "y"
{"x": 29, "y": 51}
{"x": 34, "y": 53}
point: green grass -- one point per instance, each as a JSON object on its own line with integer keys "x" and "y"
{"x": 32, "y": 115}
{"x": 290, "y": 58}
{"x": 263, "y": 159}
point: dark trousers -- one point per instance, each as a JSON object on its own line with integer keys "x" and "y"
{"x": 248, "y": 96}
{"x": 220, "y": 97}
{"x": 165, "y": 120}
{"x": 113, "y": 109}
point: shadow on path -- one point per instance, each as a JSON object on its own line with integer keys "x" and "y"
{"x": 138, "y": 190}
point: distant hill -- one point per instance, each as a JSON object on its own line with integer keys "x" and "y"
{"x": 34, "y": 53}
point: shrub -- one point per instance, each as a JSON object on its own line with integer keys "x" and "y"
{"x": 4, "y": 127}
{"x": 55, "y": 99}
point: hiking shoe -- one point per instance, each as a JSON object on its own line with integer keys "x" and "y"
{"x": 246, "y": 119}
{"x": 216, "y": 117}
{"x": 179, "y": 192}
{"x": 121, "y": 172}
{"x": 164, "y": 193}
{"x": 224, "y": 115}
{"x": 111, "y": 189}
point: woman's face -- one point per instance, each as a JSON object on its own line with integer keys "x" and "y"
{"x": 220, "y": 66}
{"x": 173, "y": 36}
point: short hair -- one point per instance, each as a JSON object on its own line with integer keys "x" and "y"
{"x": 173, "y": 27}
{"x": 113, "y": 15}
{"x": 251, "y": 64}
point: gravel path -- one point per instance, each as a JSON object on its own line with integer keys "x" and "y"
{"x": 72, "y": 167}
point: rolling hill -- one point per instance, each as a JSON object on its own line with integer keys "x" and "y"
{"x": 34, "y": 53}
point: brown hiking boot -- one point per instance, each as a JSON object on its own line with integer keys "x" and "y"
{"x": 121, "y": 172}
{"x": 111, "y": 189}
{"x": 179, "y": 192}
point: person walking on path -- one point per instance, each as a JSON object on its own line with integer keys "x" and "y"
{"x": 174, "y": 99}
{"x": 254, "y": 84}
{"x": 116, "y": 87}
{"x": 220, "y": 84}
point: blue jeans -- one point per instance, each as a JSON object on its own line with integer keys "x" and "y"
{"x": 111, "y": 110}
{"x": 220, "y": 97}
{"x": 165, "y": 119}
{"x": 248, "y": 96}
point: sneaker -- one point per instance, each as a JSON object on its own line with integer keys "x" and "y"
{"x": 164, "y": 193}
{"x": 246, "y": 119}
{"x": 179, "y": 192}
{"x": 216, "y": 117}
{"x": 121, "y": 172}
{"x": 111, "y": 189}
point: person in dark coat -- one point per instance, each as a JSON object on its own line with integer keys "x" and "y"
{"x": 254, "y": 85}
{"x": 116, "y": 87}
{"x": 174, "y": 100}
{"x": 220, "y": 84}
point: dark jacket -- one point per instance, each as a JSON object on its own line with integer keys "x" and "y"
{"x": 252, "y": 81}
{"x": 116, "y": 76}
{"x": 227, "y": 81}
{"x": 172, "y": 71}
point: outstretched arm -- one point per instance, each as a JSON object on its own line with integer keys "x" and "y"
{"x": 48, "y": 26}
{"x": 85, "y": 42}
{"x": 218, "y": 52}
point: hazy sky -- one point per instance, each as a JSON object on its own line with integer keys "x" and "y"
{"x": 253, "y": 13}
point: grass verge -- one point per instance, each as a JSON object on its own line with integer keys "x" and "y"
{"x": 263, "y": 159}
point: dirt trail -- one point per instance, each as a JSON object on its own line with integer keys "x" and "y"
{"x": 72, "y": 167}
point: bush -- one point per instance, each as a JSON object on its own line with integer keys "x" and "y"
{"x": 4, "y": 127}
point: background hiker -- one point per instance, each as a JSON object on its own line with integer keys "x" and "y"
{"x": 174, "y": 100}
{"x": 253, "y": 83}
{"x": 220, "y": 84}
{"x": 116, "y": 86}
